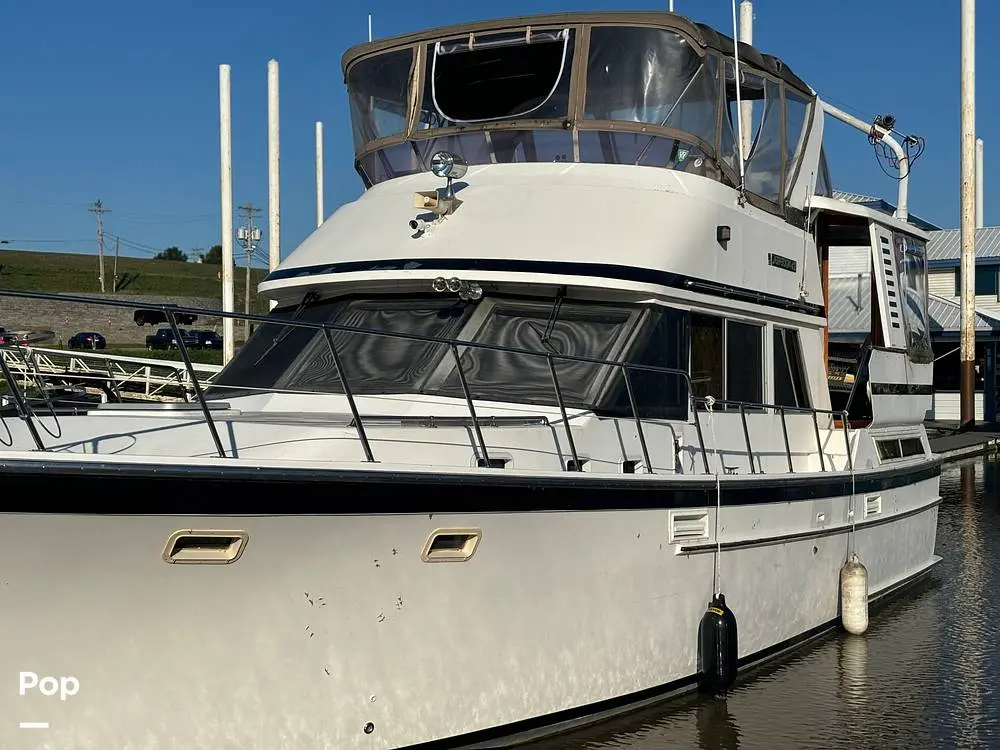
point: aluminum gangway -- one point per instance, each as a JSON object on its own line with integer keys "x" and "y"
{"x": 138, "y": 378}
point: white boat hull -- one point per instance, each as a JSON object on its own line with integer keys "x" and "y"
{"x": 327, "y": 624}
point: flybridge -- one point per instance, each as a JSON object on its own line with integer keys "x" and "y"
{"x": 639, "y": 89}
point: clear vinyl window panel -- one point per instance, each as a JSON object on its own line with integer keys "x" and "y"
{"x": 497, "y": 76}
{"x": 911, "y": 260}
{"x": 378, "y": 92}
{"x": 796, "y": 121}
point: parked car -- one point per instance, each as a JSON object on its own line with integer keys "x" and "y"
{"x": 207, "y": 340}
{"x": 87, "y": 340}
{"x": 158, "y": 317}
{"x": 7, "y": 339}
{"x": 164, "y": 339}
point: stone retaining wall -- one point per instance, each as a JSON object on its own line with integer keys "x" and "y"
{"x": 115, "y": 323}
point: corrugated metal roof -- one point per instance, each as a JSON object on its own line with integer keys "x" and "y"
{"x": 850, "y": 309}
{"x": 841, "y": 195}
{"x": 947, "y": 244}
{"x": 882, "y": 205}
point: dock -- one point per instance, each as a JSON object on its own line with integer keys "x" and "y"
{"x": 952, "y": 443}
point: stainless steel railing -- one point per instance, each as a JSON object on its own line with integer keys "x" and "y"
{"x": 26, "y": 413}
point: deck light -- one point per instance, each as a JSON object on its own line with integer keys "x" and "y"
{"x": 448, "y": 166}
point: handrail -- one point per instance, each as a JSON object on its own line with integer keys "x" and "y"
{"x": 626, "y": 369}
{"x": 185, "y": 355}
{"x": 781, "y": 411}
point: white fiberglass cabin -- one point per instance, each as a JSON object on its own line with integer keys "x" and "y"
{"x": 555, "y": 381}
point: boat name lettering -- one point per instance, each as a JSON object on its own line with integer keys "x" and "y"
{"x": 780, "y": 261}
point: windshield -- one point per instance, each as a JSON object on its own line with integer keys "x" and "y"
{"x": 284, "y": 358}
{"x": 378, "y": 91}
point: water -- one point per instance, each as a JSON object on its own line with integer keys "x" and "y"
{"x": 924, "y": 676}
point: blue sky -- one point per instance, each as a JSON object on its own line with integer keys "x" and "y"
{"x": 119, "y": 101}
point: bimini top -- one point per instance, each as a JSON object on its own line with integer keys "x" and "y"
{"x": 645, "y": 89}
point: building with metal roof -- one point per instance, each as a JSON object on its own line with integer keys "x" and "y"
{"x": 944, "y": 248}
{"x": 850, "y": 313}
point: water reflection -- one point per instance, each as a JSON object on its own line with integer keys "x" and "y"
{"x": 922, "y": 676}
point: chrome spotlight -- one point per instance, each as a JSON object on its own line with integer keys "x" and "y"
{"x": 454, "y": 284}
{"x": 448, "y": 166}
{"x": 439, "y": 284}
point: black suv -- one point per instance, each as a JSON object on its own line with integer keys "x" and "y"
{"x": 87, "y": 340}
{"x": 157, "y": 317}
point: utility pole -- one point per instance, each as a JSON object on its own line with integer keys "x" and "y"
{"x": 968, "y": 214}
{"x": 248, "y": 236}
{"x": 115, "y": 287}
{"x": 99, "y": 209}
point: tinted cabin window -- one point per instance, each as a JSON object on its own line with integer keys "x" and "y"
{"x": 744, "y": 362}
{"x": 376, "y": 362}
{"x": 576, "y": 330}
{"x": 300, "y": 360}
{"x": 707, "y": 356}
{"x": 499, "y": 76}
{"x": 662, "y": 341}
{"x": 790, "y": 387}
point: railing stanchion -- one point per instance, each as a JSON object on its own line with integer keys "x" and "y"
{"x": 22, "y": 406}
{"x": 635, "y": 415}
{"x": 701, "y": 437}
{"x": 788, "y": 447}
{"x": 182, "y": 348}
{"x": 358, "y": 424}
{"x": 746, "y": 437}
{"x": 819, "y": 442}
{"x": 472, "y": 407}
{"x": 562, "y": 410}
{"x": 847, "y": 440}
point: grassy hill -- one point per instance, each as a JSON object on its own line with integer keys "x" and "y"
{"x": 72, "y": 273}
{"x": 139, "y": 279}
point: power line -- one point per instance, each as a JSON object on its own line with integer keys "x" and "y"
{"x": 99, "y": 209}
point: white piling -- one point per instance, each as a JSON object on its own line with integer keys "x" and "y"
{"x": 980, "y": 148}
{"x": 320, "y": 213}
{"x": 226, "y": 169}
{"x": 273, "y": 170}
{"x": 746, "y": 36}
{"x": 967, "y": 355}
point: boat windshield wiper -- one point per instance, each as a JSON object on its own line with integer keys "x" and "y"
{"x": 545, "y": 337}
{"x": 307, "y": 300}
